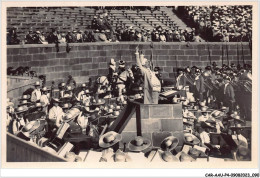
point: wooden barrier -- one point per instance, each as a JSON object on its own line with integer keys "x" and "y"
{"x": 19, "y": 150}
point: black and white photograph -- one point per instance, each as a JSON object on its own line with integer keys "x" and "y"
{"x": 151, "y": 84}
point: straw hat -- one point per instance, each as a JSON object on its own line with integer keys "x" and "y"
{"x": 66, "y": 106}
{"x": 169, "y": 143}
{"x": 25, "y": 97}
{"x": 55, "y": 100}
{"x": 109, "y": 139}
{"x": 184, "y": 157}
{"x": 37, "y": 83}
{"x": 191, "y": 139}
{"x": 168, "y": 157}
{"x": 120, "y": 156}
{"x": 24, "y": 102}
{"x": 29, "y": 128}
{"x": 21, "y": 109}
{"x": 139, "y": 144}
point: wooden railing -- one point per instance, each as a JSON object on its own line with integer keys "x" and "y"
{"x": 19, "y": 150}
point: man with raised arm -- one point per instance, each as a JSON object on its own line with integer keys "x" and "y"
{"x": 152, "y": 85}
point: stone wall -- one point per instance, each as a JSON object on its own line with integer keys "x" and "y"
{"x": 91, "y": 59}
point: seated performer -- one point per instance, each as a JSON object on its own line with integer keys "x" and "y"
{"x": 152, "y": 85}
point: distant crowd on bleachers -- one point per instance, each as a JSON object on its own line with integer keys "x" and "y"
{"x": 209, "y": 23}
{"x": 219, "y": 23}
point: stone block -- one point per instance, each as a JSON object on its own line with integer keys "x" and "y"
{"x": 182, "y": 58}
{"x": 172, "y": 125}
{"x": 190, "y": 52}
{"x": 194, "y": 58}
{"x": 176, "y": 52}
{"x": 144, "y": 111}
{"x": 160, "y": 111}
{"x": 61, "y": 55}
{"x": 151, "y": 125}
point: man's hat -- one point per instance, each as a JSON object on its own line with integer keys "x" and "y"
{"x": 167, "y": 156}
{"x": 38, "y": 105}
{"x": 109, "y": 139}
{"x": 206, "y": 125}
{"x": 66, "y": 106}
{"x": 139, "y": 144}
{"x": 55, "y": 100}
{"x": 121, "y": 62}
{"x": 191, "y": 139}
{"x": 25, "y": 97}
{"x": 24, "y": 102}
{"x": 30, "y": 127}
{"x": 169, "y": 143}
{"x": 37, "y": 83}
{"x": 21, "y": 109}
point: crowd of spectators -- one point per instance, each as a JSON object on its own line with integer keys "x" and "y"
{"x": 219, "y": 23}
{"x": 208, "y": 23}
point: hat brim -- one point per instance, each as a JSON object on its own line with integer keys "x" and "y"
{"x": 21, "y": 111}
{"x": 175, "y": 142}
{"x": 174, "y": 158}
{"x": 55, "y": 100}
{"x": 117, "y": 139}
{"x": 133, "y": 147}
{"x": 195, "y": 140}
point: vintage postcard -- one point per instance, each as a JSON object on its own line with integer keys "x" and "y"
{"x": 153, "y": 85}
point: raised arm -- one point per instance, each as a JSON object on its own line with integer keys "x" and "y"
{"x": 138, "y": 59}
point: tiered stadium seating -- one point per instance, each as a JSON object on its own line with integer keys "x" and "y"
{"x": 75, "y": 18}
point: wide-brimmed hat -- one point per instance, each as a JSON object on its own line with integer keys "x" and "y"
{"x": 66, "y": 106}
{"x": 44, "y": 89}
{"x": 30, "y": 127}
{"x": 185, "y": 103}
{"x": 238, "y": 119}
{"x": 56, "y": 100}
{"x": 121, "y": 62}
{"x": 21, "y": 109}
{"x": 99, "y": 102}
{"x": 194, "y": 152}
{"x": 109, "y": 139}
{"x": 191, "y": 139}
{"x": 192, "y": 100}
{"x": 24, "y": 102}
{"x": 169, "y": 143}
{"x": 38, "y": 104}
{"x": 186, "y": 122}
{"x": 184, "y": 157}
{"x": 25, "y": 97}
{"x": 139, "y": 144}
{"x": 206, "y": 125}
{"x": 183, "y": 98}
{"x": 176, "y": 100}
{"x": 87, "y": 91}
{"x": 69, "y": 88}
{"x": 37, "y": 83}
{"x": 168, "y": 156}
{"x": 120, "y": 156}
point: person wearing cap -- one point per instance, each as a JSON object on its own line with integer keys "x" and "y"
{"x": 81, "y": 92}
{"x": 112, "y": 71}
{"x": 228, "y": 94}
{"x": 69, "y": 37}
{"x": 62, "y": 87}
{"x": 53, "y": 36}
{"x": 12, "y": 38}
{"x": 19, "y": 119}
{"x": 10, "y": 115}
{"x": 79, "y": 36}
{"x": 94, "y": 23}
{"x": 44, "y": 99}
{"x": 152, "y": 85}
{"x": 121, "y": 67}
{"x": 36, "y": 94}
{"x": 181, "y": 80}
{"x": 199, "y": 85}
{"x": 30, "y": 38}
{"x": 56, "y": 113}
{"x": 42, "y": 39}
